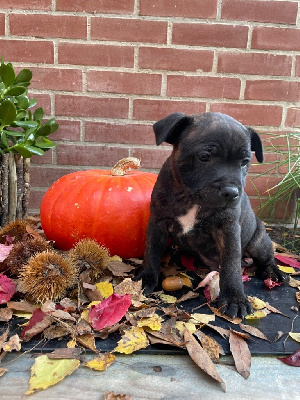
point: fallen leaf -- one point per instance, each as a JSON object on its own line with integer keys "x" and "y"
{"x": 241, "y": 354}
{"x": 116, "y": 396}
{"x": 133, "y": 339}
{"x": 207, "y": 279}
{"x": 293, "y": 359}
{"x": 153, "y": 322}
{"x": 65, "y": 353}
{"x": 168, "y": 299}
{"x": 46, "y": 372}
{"x": 189, "y": 295}
{"x": 68, "y": 305}
{"x": 210, "y": 345}
{"x": 217, "y": 312}
{"x": 295, "y": 336}
{"x": 101, "y": 362}
{"x": 2, "y": 371}
{"x": 7, "y": 289}
{"x": 254, "y": 331}
{"x": 56, "y": 332}
{"x": 12, "y": 344}
{"x": 105, "y": 288}
{"x": 21, "y": 306}
{"x": 256, "y": 303}
{"x": 223, "y": 332}
{"x": 109, "y": 311}
{"x": 181, "y": 326}
{"x": 5, "y": 314}
{"x": 294, "y": 282}
{"x": 298, "y": 297}
{"x": 88, "y": 341}
{"x": 274, "y": 310}
{"x": 118, "y": 268}
{"x": 37, "y": 323}
{"x": 202, "y": 318}
{"x": 257, "y": 315}
{"x": 188, "y": 263}
{"x": 201, "y": 358}
{"x": 4, "y": 251}
{"x": 128, "y": 286}
{"x": 271, "y": 284}
{"x": 288, "y": 261}
{"x": 287, "y": 270}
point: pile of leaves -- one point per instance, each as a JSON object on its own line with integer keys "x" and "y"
{"x": 108, "y": 303}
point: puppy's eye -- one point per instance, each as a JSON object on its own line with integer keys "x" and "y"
{"x": 244, "y": 162}
{"x": 204, "y": 157}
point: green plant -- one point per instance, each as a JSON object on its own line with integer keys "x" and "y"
{"x": 285, "y": 195}
{"x": 21, "y": 130}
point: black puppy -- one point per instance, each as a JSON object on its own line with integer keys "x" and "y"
{"x": 199, "y": 201}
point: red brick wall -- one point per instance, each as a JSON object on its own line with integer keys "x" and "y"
{"x": 108, "y": 69}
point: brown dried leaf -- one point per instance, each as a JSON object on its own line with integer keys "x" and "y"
{"x": 201, "y": 358}
{"x": 298, "y": 297}
{"x": 274, "y": 310}
{"x": 68, "y": 304}
{"x": 83, "y": 327}
{"x": 55, "y": 332}
{"x": 223, "y": 332}
{"x": 254, "y": 331}
{"x": 115, "y": 396}
{"x": 209, "y": 344}
{"x": 87, "y": 340}
{"x": 189, "y": 295}
{"x": 21, "y": 306}
{"x": 294, "y": 282}
{"x": 118, "y": 268}
{"x": 2, "y": 371}
{"x": 128, "y": 286}
{"x": 5, "y": 314}
{"x": 221, "y": 315}
{"x": 12, "y": 344}
{"x": 65, "y": 353}
{"x": 241, "y": 354}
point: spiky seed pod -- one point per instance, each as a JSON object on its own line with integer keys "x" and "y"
{"x": 21, "y": 253}
{"x": 89, "y": 255}
{"x": 48, "y": 276}
{"x": 16, "y": 229}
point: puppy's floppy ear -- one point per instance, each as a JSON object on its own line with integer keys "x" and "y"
{"x": 256, "y": 144}
{"x": 169, "y": 128}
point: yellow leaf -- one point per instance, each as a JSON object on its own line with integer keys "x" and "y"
{"x": 71, "y": 344}
{"x": 94, "y": 303}
{"x": 181, "y": 326}
{"x": 202, "y": 318}
{"x": 115, "y": 258}
{"x": 168, "y": 299}
{"x": 287, "y": 270}
{"x": 256, "y": 315}
{"x": 87, "y": 340}
{"x": 186, "y": 280}
{"x": 46, "y": 372}
{"x": 23, "y": 314}
{"x": 85, "y": 315}
{"x": 133, "y": 339}
{"x": 101, "y": 362}
{"x": 105, "y": 288}
{"x": 256, "y": 303}
{"x": 295, "y": 336}
{"x": 153, "y": 323}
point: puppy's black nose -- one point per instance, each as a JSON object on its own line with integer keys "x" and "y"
{"x": 230, "y": 192}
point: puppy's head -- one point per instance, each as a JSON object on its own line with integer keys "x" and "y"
{"x": 211, "y": 155}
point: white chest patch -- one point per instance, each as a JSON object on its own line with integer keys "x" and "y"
{"x": 188, "y": 220}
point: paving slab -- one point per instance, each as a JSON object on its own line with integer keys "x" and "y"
{"x": 157, "y": 377}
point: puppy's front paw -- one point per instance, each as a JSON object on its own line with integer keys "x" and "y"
{"x": 149, "y": 280}
{"x": 272, "y": 272}
{"x": 235, "y": 306}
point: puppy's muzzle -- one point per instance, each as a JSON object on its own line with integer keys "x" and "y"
{"x": 230, "y": 193}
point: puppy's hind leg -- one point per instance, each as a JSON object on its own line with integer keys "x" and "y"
{"x": 261, "y": 250}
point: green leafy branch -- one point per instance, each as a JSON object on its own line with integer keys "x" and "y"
{"x": 21, "y": 130}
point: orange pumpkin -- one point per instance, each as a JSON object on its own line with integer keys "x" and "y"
{"x": 112, "y": 207}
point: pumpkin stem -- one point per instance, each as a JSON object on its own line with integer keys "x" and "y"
{"x": 124, "y": 165}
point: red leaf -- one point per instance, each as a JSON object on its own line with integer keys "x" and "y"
{"x": 188, "y": 263}
{"x": 37, "y": 316}
{"x": 7, "y": 289}
{"x": 271, "y": 284}
{"x": 245, "y": 277}
{"x": 288, "y": 261}
{"x": 4, "y": 251}
{"x": 109, "y": 311}
{"x": 293, "y": 359}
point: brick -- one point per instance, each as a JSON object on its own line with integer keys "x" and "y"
{"x": 210, "y": 35}
{"x": 103, "y": 6}
{"x": 297, "y": 71}
{"x": 153, "y": 110}
{"x": 203, "y": 86}
{"x": 2, "y": 24}
{"x": 43, "y": 100}
{"x": 95, "y": 54}
{"x": 123, "y": 82}
{"x": 262, "y": 185}
{"x": 68, "y": 131}
{"x": 27, "y": 51}
{"x": 175, "y": 59}
{"x": 35, "y": 200}
{"x": 293, "y": 117}
{"x": 129, "y": 30}
{"x": 281, "y": 12}
{"x": 42, "y": 176}
{"x": 45, "y": 25}
{"x": 271, "y": 38}
{"x": 119, "y": 133}
{"x": 47, "y": 158}
{"x": 85, "y": 106}
{"x": 89, "y": 155}
{"x": 251, "y": 114}
{"x": 272, "y": 90}
{"x": 56, "y": 79}
{"x": 26, "y": 4}
{"x": 179, "y": 8}
{"x": 254, "y": 63}
{"x": 152, "y": 158}
{"x": 259, "y": 168}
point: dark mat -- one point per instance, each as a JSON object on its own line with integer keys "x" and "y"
{"x": 282, "y": 298}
